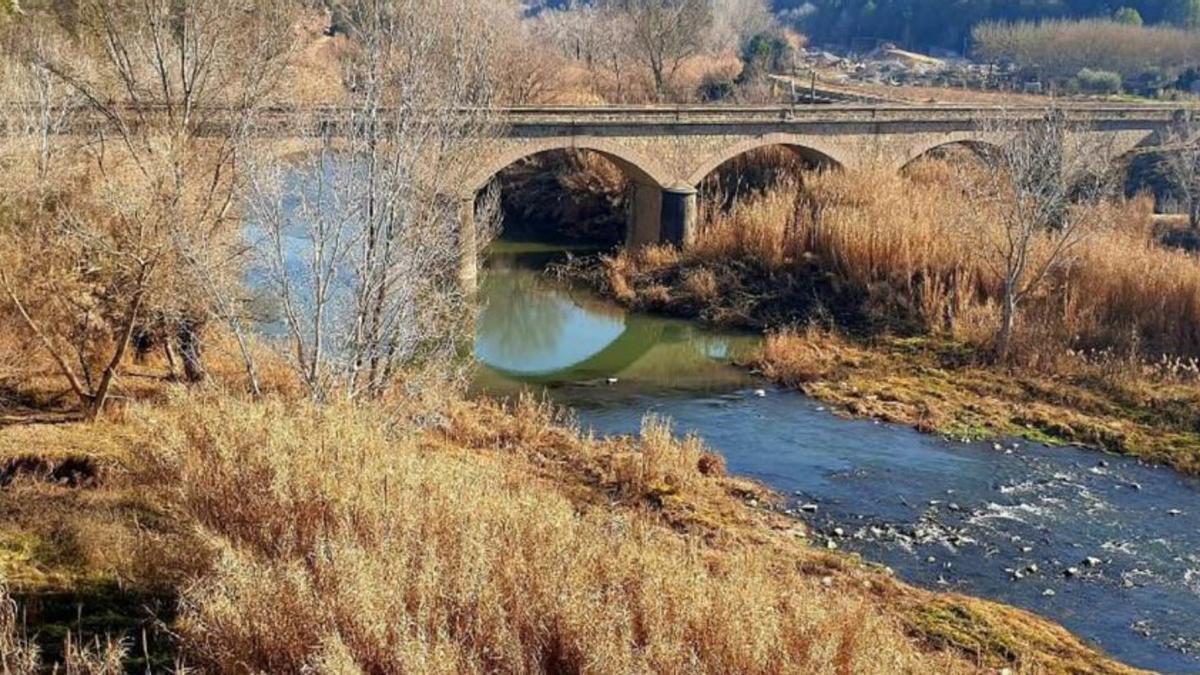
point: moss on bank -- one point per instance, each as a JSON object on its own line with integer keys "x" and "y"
{"x": 944, "y": 387}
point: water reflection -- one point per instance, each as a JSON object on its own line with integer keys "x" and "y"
{"x": 534, "y": 331}
{"x": 526, "y": 328}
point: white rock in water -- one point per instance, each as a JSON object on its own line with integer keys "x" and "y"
{"x": 612, "y": 380}
{"x": 1091, "y": 561}
{"x": 1071, "y": 572}
{"x": 1049, "y": 593}
{"x": 808, "y": 508}
{"x": 839, "y": 532}
{"x": 1174, "y": 512}
{"x": 761, "y": 393}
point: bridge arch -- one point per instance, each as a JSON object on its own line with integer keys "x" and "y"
{"x": 980, "y": 143}
{"x": 637, "y": 167}
{"x": 817, "y": 151}
{"x": 985, "y": 151}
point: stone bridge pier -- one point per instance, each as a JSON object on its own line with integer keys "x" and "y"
{"x": 667, "y": 152}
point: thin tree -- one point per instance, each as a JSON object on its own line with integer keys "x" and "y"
{"x": 361, "y": 239}
{"x": 1179, "y": 165}
{"x": 1037, "y": 171}
{"x": 665, "y": 33}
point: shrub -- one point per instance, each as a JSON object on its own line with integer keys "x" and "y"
{"x": 716, "y": 87}
{"x": 1099, "y": 81}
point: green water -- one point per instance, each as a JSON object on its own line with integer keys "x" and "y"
{"x": 534, "y": 331}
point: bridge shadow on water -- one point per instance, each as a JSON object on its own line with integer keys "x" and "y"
{"x": 535, "y": 333}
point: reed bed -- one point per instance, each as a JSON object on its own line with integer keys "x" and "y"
{"x": 912, "y": 253}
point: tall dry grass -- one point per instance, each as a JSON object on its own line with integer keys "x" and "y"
{"x": 347, "y": 544}
{"x": 20, "y": 656}
{"x": 912, "y": 249}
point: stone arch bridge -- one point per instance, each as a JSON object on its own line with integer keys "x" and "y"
{"x": 668, "y": 151}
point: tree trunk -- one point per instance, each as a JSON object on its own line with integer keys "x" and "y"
{"x": 169, "y": 354}
{"x": 1194, "y": 214}
{"x": 96, "y": 405}
{"x": 189, "y": 352}
{"x": 1008, "y": 321}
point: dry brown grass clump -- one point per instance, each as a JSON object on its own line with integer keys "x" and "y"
{"x": 795, "y": 358}
{"x": 346, "y": 544}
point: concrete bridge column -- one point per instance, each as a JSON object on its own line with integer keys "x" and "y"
{"x": 644, "y": 224}
{"x": 680, "y": 207}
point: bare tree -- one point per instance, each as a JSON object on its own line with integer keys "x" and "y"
{"x": 1037, "y": 171}
{"x": 1179, "y": 165}
{"x": 665, "y": 33}
{"x": 360, "y": 240}
{"x": 734, "y": 22}
{"x": 167, "y": 88}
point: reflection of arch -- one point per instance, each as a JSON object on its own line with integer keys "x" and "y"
{"x": 638, "y": 338}
{"x": 809, "y": 148}
{"x": 634, "y": 165}
{"x": 984, "y": 151}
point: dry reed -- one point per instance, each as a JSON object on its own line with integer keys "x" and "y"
{"x": 910, "y": 251}
{"x": 346, "y": 544}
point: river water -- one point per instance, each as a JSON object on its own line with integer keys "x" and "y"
{"x": 1105, "y": 545}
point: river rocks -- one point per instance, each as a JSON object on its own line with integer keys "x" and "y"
{"x": 839, "y": 532}
{"x": 760, "y": 393}
{"x": 1071, "y": 572}
{"x": 809, "y": 508}
{"x": 1032, "y": 568}
{"x": 1048, "y": 593}
{"x": 1174, "y": 512}
{"x": 1091, "y": 561}
{"x": 831, "y": 545}
{"x": 611, "y": 381}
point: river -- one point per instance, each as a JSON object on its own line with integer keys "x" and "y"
{"x": 1105, "y": 545}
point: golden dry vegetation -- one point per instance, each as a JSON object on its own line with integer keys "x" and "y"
{"x": 444, "y": 536}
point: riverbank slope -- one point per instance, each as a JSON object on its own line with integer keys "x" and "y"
{"x": 209, "y": 529}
